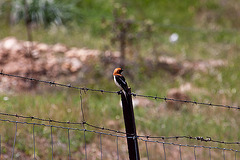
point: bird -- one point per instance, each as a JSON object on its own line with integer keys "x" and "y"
{"x": 120, "y": 80}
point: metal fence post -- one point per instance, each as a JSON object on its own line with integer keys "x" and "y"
{"x": 130, "y": 126}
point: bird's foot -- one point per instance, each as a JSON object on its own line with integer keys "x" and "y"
{"x": 119, "y": 92}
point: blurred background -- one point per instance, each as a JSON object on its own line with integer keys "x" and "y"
{"x": 177, "y": 49}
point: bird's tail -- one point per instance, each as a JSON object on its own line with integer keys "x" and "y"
{"x": 125, "y": 93}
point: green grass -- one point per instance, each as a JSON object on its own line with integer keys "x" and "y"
{"x": 65, "y": 106}
{"x": 219, "y": 86}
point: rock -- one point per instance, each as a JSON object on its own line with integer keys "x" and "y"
{"x": 170, "y": 64}
{"x": 8, "y": 43}
{"x": 142, "y": 102}
{"x": 177, "y": 94}
{"x": 82, "y": 54}
{"x": 41, "y": 47}
{"x": 182, "y": 67}
{"x": 59, "y": 48}
{"x": 72, "y": 64}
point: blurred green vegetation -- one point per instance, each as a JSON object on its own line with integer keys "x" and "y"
{"x": 206, "y": 30}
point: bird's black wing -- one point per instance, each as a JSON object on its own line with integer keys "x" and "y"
{"x": 121, "y": 81}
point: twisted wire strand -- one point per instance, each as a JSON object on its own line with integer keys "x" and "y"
{"x": 61, "y": 122}
{"x": 186, "y": 145}
{"x": 61, "y": 127}
{"x": 114, "y": 135}
{"x": 188, "y": 101}
{"x": 199, "y": 138}
{"x": 112, "y": 130}
{"x": 52, "y": 83}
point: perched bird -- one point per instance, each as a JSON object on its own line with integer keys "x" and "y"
{"x": 120, "y": 80}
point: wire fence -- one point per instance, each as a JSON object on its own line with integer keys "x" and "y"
{"x": 160, "y": 144}
{"x": 147, "y": 140}
{"x": 84, "y": 89}
{"x": 207, "y": 139}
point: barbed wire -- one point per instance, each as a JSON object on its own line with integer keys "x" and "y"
{"x": 62, "y": 127}
{"x": 186, "y": 145}
{"x": 61, "y": 122}
{"x": 199, "y": 138}
{"x": 142, "y": 137}
{"x": 114, "y": 135}
{"x": 187, "y": 101}
{"x": 52, "y": 83}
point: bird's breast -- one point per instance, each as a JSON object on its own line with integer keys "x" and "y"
{"x": 114, "y": 77}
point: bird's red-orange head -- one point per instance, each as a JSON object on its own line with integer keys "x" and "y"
{"x": 117, "y": 71}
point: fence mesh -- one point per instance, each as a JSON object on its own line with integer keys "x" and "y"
{"x": 151, "y": 147}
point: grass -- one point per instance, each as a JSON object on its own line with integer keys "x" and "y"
{"x": 219, "y": 86}
{"x": 65, "y": 106}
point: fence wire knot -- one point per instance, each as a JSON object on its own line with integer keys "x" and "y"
{"x": 50, "y": 120}
{"x": 134, "y": 94}
{"x": 119, "y": 92}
